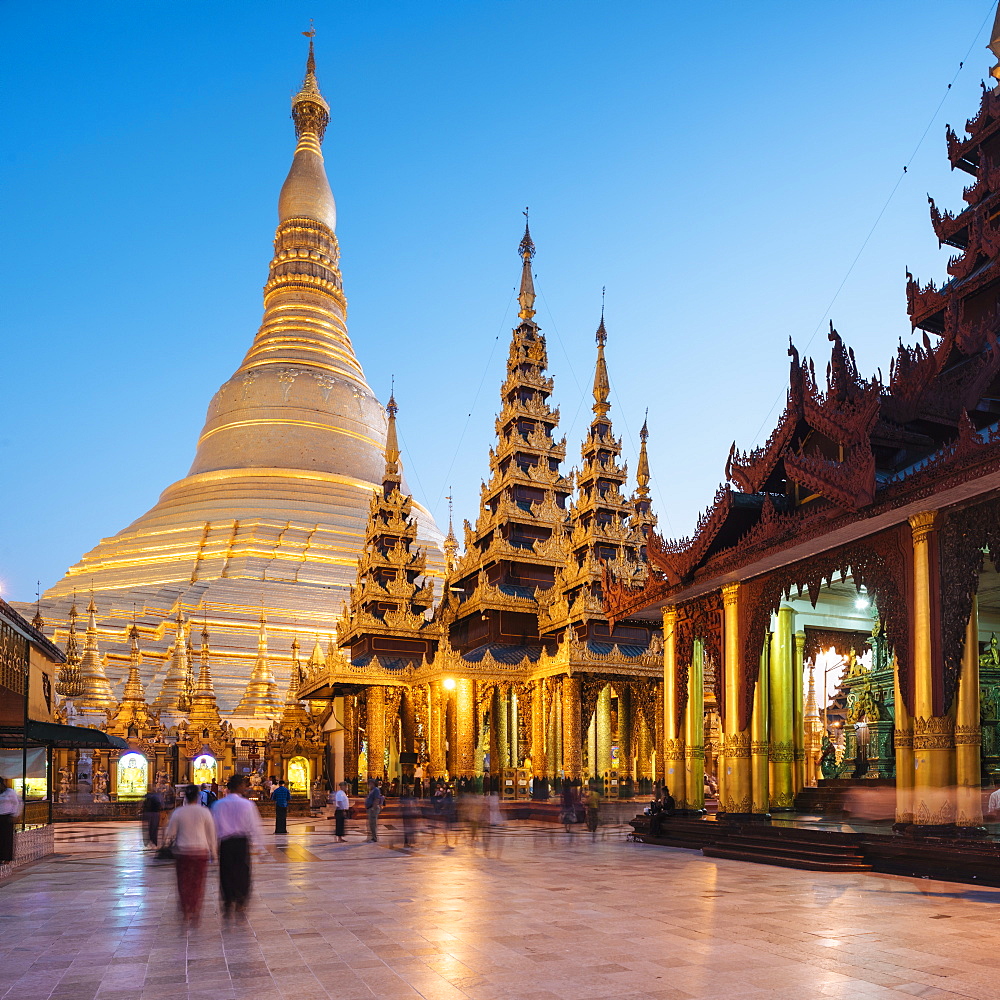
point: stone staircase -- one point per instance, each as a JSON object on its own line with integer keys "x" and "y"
{"x": 789, "y": 847}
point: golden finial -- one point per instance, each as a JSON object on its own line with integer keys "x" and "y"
{"x": 602, "y": 385}
{"x": 38, "y": 622}
{"x": 310, "y": 111}
{"x": 391, "y": 441}
{"x": 642, "y": 473}
{"x": 450, "y": 541}
{"x": 526, "y": 294}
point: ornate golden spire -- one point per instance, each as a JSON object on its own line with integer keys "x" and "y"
{"x": 526, "y": 294}
{"x": 97, "y": 697}
{"x": 205, "y": 726}
{"x": 641, "y": 504}
{"x": 450, "y": 541}
{"x": 68, "y": 682}
{"x": 602, "y": 386}
{"x": 642, "y": 473}
{"x": 38, "y": 622}
{"x": 391, "y": 443}
{"x": 306, "y": 192}
{"x": 173, "y": 701}
{"x": 260, "y": 700}
{"x": 204, "y": 689}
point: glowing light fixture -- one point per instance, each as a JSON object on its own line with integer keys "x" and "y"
{"x": 449, "y": 683}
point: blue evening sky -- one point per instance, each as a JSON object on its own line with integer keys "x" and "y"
{"x": 717, "y": 166}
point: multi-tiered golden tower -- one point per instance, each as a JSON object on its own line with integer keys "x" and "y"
{"x": 273, "y": 510}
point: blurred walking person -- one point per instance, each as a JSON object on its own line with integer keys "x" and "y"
{"x": 373, "y": 806}
{"x": 281, "y": 796}
{"x": 10, "y": 809}
{"x": 341, "y": 807}
{"x": 592, "y": 802}
{"x": 152, "y": 806}
{"x": 191, "y": 831}
{"x": 238, "y": 826}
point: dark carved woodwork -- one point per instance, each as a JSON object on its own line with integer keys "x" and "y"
{"x": 818, "y": 640}
{"x": 698, "y": 619}
{"x": 965, "y": 536}
{"x": 881, "y": 563}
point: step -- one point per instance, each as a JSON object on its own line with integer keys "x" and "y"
{"x": 784, "y": 861}
{"x": 798, "y": 851}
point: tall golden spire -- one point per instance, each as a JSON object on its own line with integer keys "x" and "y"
{"x": 306, "y": 192}
{"x": 526, "y": 294}
{"x": 68, "y": 681}
{"x": 642, "y": 515}
{"x": 450, "y": 541}
{"x": 260, "y": 699}
{"x": 97, "y": 697}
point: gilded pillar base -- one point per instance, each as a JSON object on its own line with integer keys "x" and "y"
{"x": 934, "y": 771}
{"x": 738, "y": 797}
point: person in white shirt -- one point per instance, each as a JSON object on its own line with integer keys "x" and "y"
{"x": 341, "y": 807}
{"x": 993, "y": 807}
{"x": 192, "y": 834}
{"x": 238, "y": 825}
{"x": 10, "y": 809}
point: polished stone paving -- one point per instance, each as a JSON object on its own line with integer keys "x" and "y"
{"x": 532, "y": 913}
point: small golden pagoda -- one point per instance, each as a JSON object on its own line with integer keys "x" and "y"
{"x": 97, "y": 700}
{"x": 260, "y": 699}
{"x": 204, "y": 730}
{"x": 173, "y": 701}
{"x": 134, "y": 721}
{"x": 386, "y": 618}
{"x": 69, "y": 683}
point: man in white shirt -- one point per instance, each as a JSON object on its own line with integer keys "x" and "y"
{"x": 341, "y": 807}
{"x": 192, "y": 833}
{"x": 10, "y": 809}
{"x": 238, "y": 825}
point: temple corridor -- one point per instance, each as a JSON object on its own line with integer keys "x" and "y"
{"x": 533, "y": 913}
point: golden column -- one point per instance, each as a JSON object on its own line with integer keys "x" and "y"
{"x": 625, "y": 731}
{"x": 465, "y": 727}
{"x": 968, "y": 732}
{"x": 798, "y": 711}
{"x": 694, "y": 731}
{"x": 498, "y": 731}
{"x": 673, "y": 738}
{"x": 571, "y": 745}
{"x": 933, "y": 736}
{"x": 351, "y": 748}
{"x": 738, "y": 796}
{"x": 513, "y": 727}
{"x": 903, "y": 742}
{"x": 435, "y": 723}
{"x": 781, "y": 690}
{"x": 759, "y": 737}
{"x": 644, "y": 749}
{"x": 539, "y": 756}
{"x": 602, "y": 725}
{"x": 375, "y": 725}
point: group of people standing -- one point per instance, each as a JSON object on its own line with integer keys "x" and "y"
{"x": 197, "y": 834}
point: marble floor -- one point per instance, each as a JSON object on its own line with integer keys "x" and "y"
{"x": 531, "y": 914}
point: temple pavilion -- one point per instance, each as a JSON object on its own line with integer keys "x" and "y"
{"x": 858, "y": 547}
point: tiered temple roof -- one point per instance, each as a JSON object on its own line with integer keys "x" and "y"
{"x": 516, "y": 545}
{"x": 604, "y": 529}
{"x": 386, "y": 618}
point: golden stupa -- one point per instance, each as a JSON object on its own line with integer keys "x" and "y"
{"x": 272, "y": 514}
